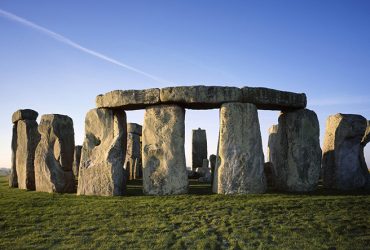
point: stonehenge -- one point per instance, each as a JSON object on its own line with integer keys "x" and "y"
{"x": 199, "y": 148}
{"x": 44, "y": 157}
{"x": 103, "y": 153}
{"x": 133, "y": 153}
{"x": 164, "y": 168}
{"x": 342, "y": 162}
{"x": 54, "y": 155}
{"x": 241, "y": 167}
{"x": 24, "y": 141}
{"x": 296, "y": 153}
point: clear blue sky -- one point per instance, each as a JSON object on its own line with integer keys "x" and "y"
{"x": 321, "y": 48}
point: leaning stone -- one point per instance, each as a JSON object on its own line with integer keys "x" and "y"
{"x": 164, "y": 168}
{"x": 271, "y": 99}
{"x": 342, "y": 168}
{"x": 134, "y": 128}
{"x": 128, "y": 99}
{"x": 199, "y": 147}
{"x": 103, "y": 153}
{"x": 200, "y": 97}
{"x": 76, "y": 160}
{"x": 272, "y": 146}
{"x": 240, "y": 150}
{"x": 24, "y": 114}
{"x": 54, "y": 155}
{"x": 27, "y": 139}
{"x": 297, "y": 160}
{"x": 13, "y": 179}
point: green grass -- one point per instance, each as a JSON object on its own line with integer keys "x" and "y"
{"x": 200, "y": 220}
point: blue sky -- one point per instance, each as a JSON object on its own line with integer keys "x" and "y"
{"x": 321, "y": 48}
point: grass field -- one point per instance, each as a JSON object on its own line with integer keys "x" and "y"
{"x": 200, "y": 220}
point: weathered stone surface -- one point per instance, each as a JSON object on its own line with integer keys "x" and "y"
{"x": 13, "y": 179}
{"x": 24, "y": 114}
{"x": 199, "y": 147}
{"x": 54, "y": 155}
{"x": 27, "y": 139}
{"x": 133, "y": 156}
{"x": 128, "y": 99}
{"x": 240, "y": 150}
{"x": 272, "y": 143}
{"x": 200, "y": 97}
{"x": 297, "y": 160}
{"x": 164, "y": 169}
{"x": 212, "y": 163}
{"x": 76, "y": 160}
{"x": 103, "y": 153}
{"x": 342, "y": 168}
{"x": 205, "y": 172}
{"x": 364, "y": 167}
{"x": 134, "y": 128}
{"x": 271, "y": 99}
{"x": 366, "y": 139}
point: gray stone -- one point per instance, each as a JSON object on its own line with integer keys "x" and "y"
{"x": 212, "y": 162}
{"x": 240, "y": 150}
{"x": 205, "y": 172}
{"x": 133, "y": 156}
{"x": 76, "y": 160}
{"x": 200, "y": 97}
{"x": 272, "y": 143}
{"x": 297, "y": 160}
{"x": 199, "y": 147}
{"x": 54, "y": 155}
{"x": 13, "y": 179}
{"x": 271, "y": 99}
{"x": 134, "y": 128}
{"x": 24, "y": 114}
{"x": 128, "y": 99}
{"x": 27, "y": 139}
{"x": 342, "y": 152}
{"x": 364, "y": 167}
{"x": 164, "y": 168}
{"x": 103, "y": 153}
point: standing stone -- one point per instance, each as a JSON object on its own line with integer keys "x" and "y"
{"x": 199, "y": 147}
{"x": 164, "y": 168}
{"x": 76, "y": 160}
{"x": 204, "y": 172}
{"x": 103, "y": 153}
{"x": 364, "y": 168}
{"x": 13, "y": 179}
{"x": 212, "y": 162}
{"x": 27, "y": 140}
{"x": 296, "y": 164}
{"x": 272, "y": 143}
{"x": 54, "y": 155}
{"x": 342, "y": 168}
{"x": 240, "y": 150}
{"x": 133, "y": 153}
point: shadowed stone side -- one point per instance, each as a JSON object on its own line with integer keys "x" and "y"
{"x": 27, "y": 140}
{"x": 164, "y": 168}
{"x": 342, "y": 167}
{"x": 200, "y": 97}
{"x": 271, "y": 99}
{"x": 240, "y": 150}
{"x": 76, "y": 160}
{"x": 128, "y": 99}
{"x": 199, "y": 147}
{"x": 297, "y": 162}
{"x": 13, "y": 179}
{"x": 24, "y": 114}
{"x": 54, "y": 155}
{"x": 133, "y": 153}
{"x": 103, "y": 153}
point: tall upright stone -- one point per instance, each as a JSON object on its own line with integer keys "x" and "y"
{"x": 103, "y": 153}
{"x": 272, "y": 143}
{"x": 164, "y": 168}
{"x": 76, "y": 160}
{"x": 133, "y": 153}
{"x": 212, "y": 163}
{"x": 342, "y": 152}
{"x": 54, "y": 155}
{"x": 296, "y": 164}
{"x": 240, "y": 150}
{"x": 364, "y": 167}
{"x": 13, "y": 178}
{"x": 199, "y": 147}
{"x": 24, "y": 142}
